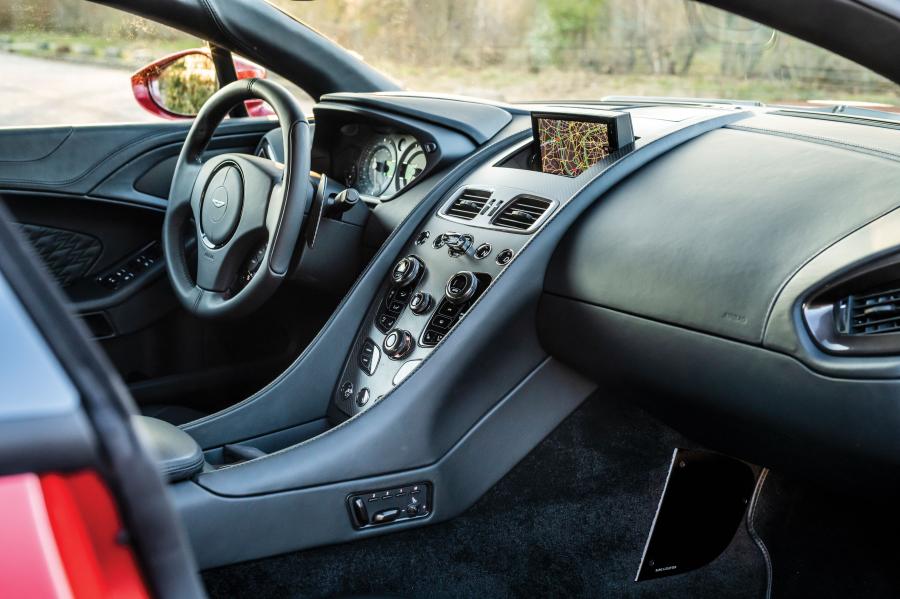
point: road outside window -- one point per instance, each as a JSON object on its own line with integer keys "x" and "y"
{"x": 69, "y": 62}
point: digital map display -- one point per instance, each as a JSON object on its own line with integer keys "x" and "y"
{"x": 571, "y": 147}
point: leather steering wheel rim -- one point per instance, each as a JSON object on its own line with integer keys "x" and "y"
{"x": 247, "y": 211}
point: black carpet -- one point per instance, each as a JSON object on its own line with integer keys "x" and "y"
{"x": 825, "y": 544}
{"x": 569, "y": 521}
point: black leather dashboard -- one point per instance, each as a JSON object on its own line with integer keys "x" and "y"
{"x": 685, "y": 283}
{"x": 706, "y": 236}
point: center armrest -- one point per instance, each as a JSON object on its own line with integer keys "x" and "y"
{"x": 177, "y": 454}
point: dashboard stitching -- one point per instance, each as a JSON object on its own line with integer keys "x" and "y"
{"x": 821, "y": 140}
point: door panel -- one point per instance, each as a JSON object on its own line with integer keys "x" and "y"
{"x": 91, "y": 200}
{"x": 85, "y": 160}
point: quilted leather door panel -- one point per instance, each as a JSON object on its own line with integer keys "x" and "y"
{"x": 68, "y": 255}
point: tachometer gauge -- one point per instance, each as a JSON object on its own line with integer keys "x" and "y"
{"x": 412, "y": 164}
{"x": 377, "y": 167}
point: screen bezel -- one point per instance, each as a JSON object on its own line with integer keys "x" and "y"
{"x": 612, "y": 133}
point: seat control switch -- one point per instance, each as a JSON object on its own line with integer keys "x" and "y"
{"x": 385, "y": 506}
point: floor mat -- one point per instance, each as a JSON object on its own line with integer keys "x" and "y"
{"x": 570, "y": 520}
{"x": 824, "y": 544}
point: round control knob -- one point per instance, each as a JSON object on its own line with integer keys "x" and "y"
{"x": 397, "y": 344}
{"x": 406, "y": 270}
{"x": 421, "y": 302}
{"x": 461, "y": 287}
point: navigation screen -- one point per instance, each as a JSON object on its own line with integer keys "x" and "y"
{"x": 569, "y": 147}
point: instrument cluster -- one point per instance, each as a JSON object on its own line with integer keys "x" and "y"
{"x": 380, "y": 164}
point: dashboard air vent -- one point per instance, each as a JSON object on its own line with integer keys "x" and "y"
{"x": 522, "y": 212}
{"x": 469, "y": 204}
{"x": 870, "y": 314}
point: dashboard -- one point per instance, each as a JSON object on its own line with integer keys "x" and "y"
{"x": 735, "y": 218}
{"x": 723, "y": 250}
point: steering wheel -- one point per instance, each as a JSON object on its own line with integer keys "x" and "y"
{"x": 247, "y": 211}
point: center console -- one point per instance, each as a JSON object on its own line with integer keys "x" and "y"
{"x": 457, "y": 253}
{"x": 441, "y": 273}
{"x": 434, "y": 359}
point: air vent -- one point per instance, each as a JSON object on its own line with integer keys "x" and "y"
{"x": 468, "y": 204}
{"x": 522, "y": 213}
{"x": 870, "y": 314}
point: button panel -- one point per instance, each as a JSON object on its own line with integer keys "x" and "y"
{"x": 369, "y": 356}
{"x": 135, "y": 266}
{"x": 405, "y": 275}
{"x": 414, "y": 300}
{"x": 449, "y": 312}
{"x": 378, "y": 508}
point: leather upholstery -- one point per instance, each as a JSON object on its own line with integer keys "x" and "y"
{"x": 176, "y": 453}
{"x": 68, "y": 255}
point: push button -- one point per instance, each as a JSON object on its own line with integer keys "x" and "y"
{"x": 483, "y": 251}
{"x": 504, "y": 256}
{"x": 443, "y": 322}
{"x": 421, "y": 303}
{"x": 448, "y": 309}
{"x": 362, "y": 398}
{"x": 386, "y": 321}
{"x": 346, "y": 390}
{"x": 369, "y": 356}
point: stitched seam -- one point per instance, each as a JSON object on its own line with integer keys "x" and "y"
{"x": 220, "y": 25}
{"x": 183, "y": 465}
{"x": 826, "y": 141}
{"x": 425, "y": 360}
{"x": 751, "y": 529}
{"x": 92, "y": 168}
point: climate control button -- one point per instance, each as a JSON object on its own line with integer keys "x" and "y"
{"x": 406, "y": 270}
{"x": 461, "y": 287}
{"x": 504, "y": 257}
{"x": 421, "y": 303}
{"x": 397, "y": 344}
{"x": 483, "y": 251}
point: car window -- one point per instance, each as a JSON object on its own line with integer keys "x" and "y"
{"x": 70, "y": 61}
{"x": 512, "y": 50}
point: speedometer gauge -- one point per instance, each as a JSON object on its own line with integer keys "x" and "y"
{"x": 412, "y": 164}
{"x": 377, "y": 167}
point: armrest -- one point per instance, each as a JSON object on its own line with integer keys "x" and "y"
{"x": 177, "y": 454}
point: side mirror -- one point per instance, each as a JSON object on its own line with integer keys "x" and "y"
{"x": 176, "y": 86}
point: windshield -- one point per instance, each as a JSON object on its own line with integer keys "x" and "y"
{"x": 523, "y": 50}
